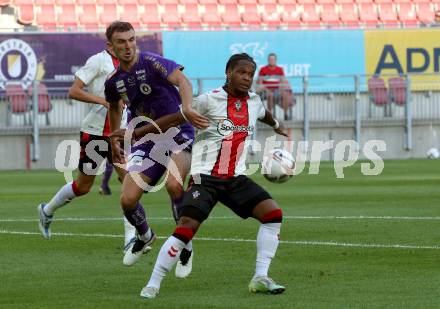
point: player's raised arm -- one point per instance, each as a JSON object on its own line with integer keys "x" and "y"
{"x": 275, "y": 124}
{"x": 178, "y": 79}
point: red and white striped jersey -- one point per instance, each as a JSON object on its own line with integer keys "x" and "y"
{"x": 220, "y": 149}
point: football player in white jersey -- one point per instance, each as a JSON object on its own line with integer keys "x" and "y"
{"x": 233, "y": 111}
{"x": 94, "y": 140}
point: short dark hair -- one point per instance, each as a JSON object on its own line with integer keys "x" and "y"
{"x": 235, "y": 59}
{"x": 271, "y": 54}
{"x": 117, "y": 26}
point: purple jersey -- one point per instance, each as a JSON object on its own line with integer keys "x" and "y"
{"x": 146, "y": 90}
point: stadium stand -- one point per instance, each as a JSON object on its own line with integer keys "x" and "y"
{"x": 17, "y": 99}
{"x": 378, "y": 91}
{"x": 397, "y": 86}
{"x": 284, "y": 14}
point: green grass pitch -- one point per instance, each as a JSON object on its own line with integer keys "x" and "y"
{"x": 357, "y": 242}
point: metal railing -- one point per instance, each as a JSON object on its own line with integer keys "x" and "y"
{"x": 324, "y": 101}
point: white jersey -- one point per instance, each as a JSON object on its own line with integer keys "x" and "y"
{"x": 220, "y": 149}
{"x": 94, "y": 74}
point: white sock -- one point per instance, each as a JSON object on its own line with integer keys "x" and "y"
{"x": 129, "y": 231}
{"x": 147, "y": 236}
{"x": 189, "y": 246}
{"x": 61, "y": 198}
{"x": 168, "y": 256}
{"x": 267, "y": 244}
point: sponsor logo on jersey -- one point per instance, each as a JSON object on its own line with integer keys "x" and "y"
{"x": 131, "y": 81}
{"x": 140, "y": 72}
{"x": 238, "y": 105}
{"x": 120, "y": 84}
{"x": 145, "y": 88}
{"x": 227, "y": 127}
{"x": 18, "y": 62}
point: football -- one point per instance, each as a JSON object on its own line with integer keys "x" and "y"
{"x": 278, "y": 166}
{"x": 433, "y": 153}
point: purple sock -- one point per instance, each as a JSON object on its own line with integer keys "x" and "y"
{"x": 107, "y": 174}
{"x": 175, "y": 204}
{"x": 137, "y": 218}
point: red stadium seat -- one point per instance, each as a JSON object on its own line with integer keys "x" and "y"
{"x": 44, "y": 2}
{"x": 349, "y": 15}
{"x": 89, "y": 18}
{"x": 150, "y": 18}
{"x": 208, "y": 1}
{"x": 171, "y": 16}
{"x": 251, "y": 17}
{"x": 378, "y": 91}
{"x": 84, "y": 2}
{"x": 407, "y": 14}
{"x": 387, "y": 14}
{"x": 310, "y": 17}
{"x": 364, "y": 1}
{"x": 226, "y": 2}
{"x": 44, "y": 104}
{"x": 270, "y": 15}
{"x": 329, "y": 15}
{"x": 231, "y": 17}
{"x": 17, "y": 98}
{"x": 299, "y": 2}
{"x": 290, "y": 17}
{"x": 130, "y": 14}
{"x": 425, "y": 13}
{"x": 18, "y": 101}
{"x": 5, "y": 2}
{"x": 211, "y": 16}
{"x": 243, "y": 2}
{"x": 165, "y": 2}
{"x": 191, "y": 17}
{"x": 61, "y": 2}
{"x": 109, "y": 14}
{"x": 325, "y": 1}
{"x": 105, "y": 2}
{"x": 46, "y": 17}
{"x": 344, "y": 1}
{"x": 68, "y": 19}
{"x": 267, "y": 1}
{"x": 397, "y": 86}
{"x": 26, "y": 14}
{"x": 421, "y": 1}
{"x": 20, "y": 2}
{"x": 125, "y": 2}
{"x": 189, "y": 1}
{"x": 368, "y": 14}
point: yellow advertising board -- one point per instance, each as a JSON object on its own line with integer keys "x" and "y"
{"x": 413, "y": 51}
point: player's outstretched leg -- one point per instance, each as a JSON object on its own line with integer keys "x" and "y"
{"x": 104, "y": 188}
{"x": 184, "y": 264}
{"x": 167, "y": 258}
{"x": 267, "y": 243}
{"x": 145, "y": 235}
{"x": 68, "y": 192}
{"x": 135, "y": 214}
{"x": 175, "y": 190}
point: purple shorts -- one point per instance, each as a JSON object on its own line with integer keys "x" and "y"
{"x": 152, "y": 158}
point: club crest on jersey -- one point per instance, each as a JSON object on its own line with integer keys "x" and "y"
{"x": 238, "y": 105}
{"x": 131, "y": 81}
{"x": 145, "y": 88}
{"x": 226, "y": 127}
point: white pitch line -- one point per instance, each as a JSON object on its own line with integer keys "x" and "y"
{"x": 396, "y": 218}
{"x": 297, "y": 242}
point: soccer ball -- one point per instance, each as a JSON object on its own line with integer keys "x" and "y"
{"x": 433, "y": 153}
{"x": 278, "y": 166}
